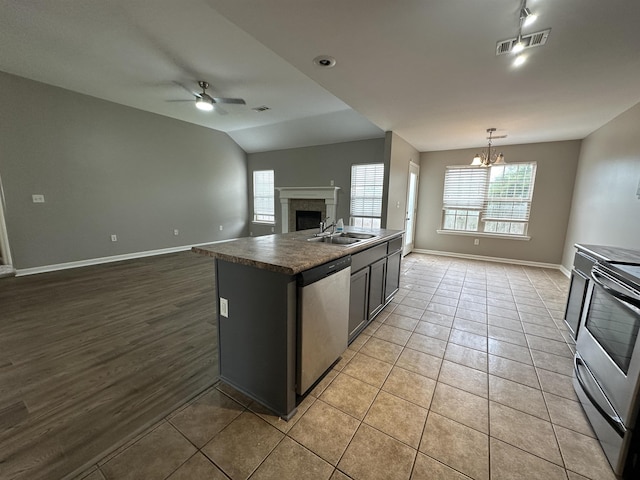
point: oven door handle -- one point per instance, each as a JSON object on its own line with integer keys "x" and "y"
{"x": 597, "y": 278}
{"x": 613, "y": 420}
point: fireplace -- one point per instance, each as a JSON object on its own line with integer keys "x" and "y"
{"x": 306, "y": 219}
{"x": 307, "y": 199}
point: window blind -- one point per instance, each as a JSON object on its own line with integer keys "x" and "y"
{"x": 510, "y": 192}
{"x": 367, "y": 182}
{"x": 263, "y": 196}
{"x": 465, "y": 187}
{"x": 500, "y": 194}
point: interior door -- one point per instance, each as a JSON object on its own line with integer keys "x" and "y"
{"x": 412, "y": 207}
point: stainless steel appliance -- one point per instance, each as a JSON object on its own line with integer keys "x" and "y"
{"x": 323, "y": 319}
{"x": 607, "y": 362}
{"x": 580, "y": 274}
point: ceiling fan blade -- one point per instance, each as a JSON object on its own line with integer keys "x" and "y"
{"x": 191, "y": 92}
{"x": 237, "y": 101}
{"x": 191, "y": 100}
{"x": 219, "y": 110}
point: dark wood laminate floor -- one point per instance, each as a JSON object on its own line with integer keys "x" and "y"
{"x": 91, "y": 356}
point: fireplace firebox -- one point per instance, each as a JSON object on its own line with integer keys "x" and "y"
{"x": 306, "y": 219}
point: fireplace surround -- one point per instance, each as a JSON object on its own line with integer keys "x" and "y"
{"x": 323, "y": 199}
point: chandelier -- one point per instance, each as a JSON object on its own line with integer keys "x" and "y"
{"x": 483, "y": 159}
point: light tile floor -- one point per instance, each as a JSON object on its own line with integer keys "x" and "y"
{"x": 466, "y": 374}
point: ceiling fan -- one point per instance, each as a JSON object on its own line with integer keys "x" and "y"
{"x": 206, "y": 102}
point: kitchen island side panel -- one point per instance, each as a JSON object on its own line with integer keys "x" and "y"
{"x": 257, "y": 341}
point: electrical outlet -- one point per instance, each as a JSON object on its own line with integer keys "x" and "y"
{"x": 220, "y": 227}
{"x": 224, "y": 307}
{"x": 37, "y": 198}
{"x": 476, "y": 241}
{"x": 114, "y": 238}
{"x": 176, "y": 232}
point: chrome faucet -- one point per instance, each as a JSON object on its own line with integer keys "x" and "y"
{"x": 324, "y": 227}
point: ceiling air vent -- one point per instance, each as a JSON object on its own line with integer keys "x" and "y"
{"x": 263, "y": 108}
{"x": 530, "y": 40}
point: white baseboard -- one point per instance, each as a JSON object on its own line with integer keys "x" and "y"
{"x": 491, "y": 259}
{"x": 115, "y": 258}
{"x": 565, "y": 271}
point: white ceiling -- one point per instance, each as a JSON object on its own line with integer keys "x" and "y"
{"x": 425, "y": 69}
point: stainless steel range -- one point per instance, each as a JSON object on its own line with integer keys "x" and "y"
{"x": 607, "y": 362}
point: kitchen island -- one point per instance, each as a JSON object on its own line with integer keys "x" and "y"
{"x": 258, "y": 286}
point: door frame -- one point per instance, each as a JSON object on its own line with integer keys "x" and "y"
{"x": 408, "y": 242}
{"x": 5, "y": 251}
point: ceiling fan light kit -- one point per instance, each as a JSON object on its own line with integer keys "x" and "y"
{"x": 206, "y": 102}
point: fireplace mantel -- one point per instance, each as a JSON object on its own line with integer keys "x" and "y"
{"x": 328, "y": 194}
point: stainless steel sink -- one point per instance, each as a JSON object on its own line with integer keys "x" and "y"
{"x": 360, "y": 236}
{"x": 344, "y": 238}
{"x": 336, "y": 240}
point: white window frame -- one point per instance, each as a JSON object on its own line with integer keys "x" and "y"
{"x": 476, "y": 203}
{"x": 367, "y": 189}
{"x": 264, "y": 197}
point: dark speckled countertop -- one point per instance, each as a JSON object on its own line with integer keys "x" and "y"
{"x": 610, "y": 254}
{"x": 289, "y": 253}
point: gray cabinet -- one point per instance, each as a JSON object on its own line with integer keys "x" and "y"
{"x": 375, "y": 280}
{"x": 392, "y": 277}
{"x": 376, "y": 287}
{"x": 358, "y": 302}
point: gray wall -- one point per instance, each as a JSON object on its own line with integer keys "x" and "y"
{"x": 550, "y": 210}
{"x": 400, "y": 153}
{"x": 108, "y": 169}
{"x": 605, "y": 208}
{"x": 315, "y": 167}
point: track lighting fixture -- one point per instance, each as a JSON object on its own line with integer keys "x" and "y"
{"x": 526, "y": 17}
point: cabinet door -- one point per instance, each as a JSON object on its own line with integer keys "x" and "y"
{"x": 392, "y": 282}
{"x": 376, "y": 287}
{"x": 358, "y": 302}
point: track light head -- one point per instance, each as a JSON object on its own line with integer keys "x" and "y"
{"x": 526, "y": 17}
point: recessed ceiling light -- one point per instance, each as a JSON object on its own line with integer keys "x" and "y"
{"x": 325, "y": 61}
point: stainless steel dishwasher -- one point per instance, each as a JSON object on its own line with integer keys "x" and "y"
{"x": 323, "y": 319}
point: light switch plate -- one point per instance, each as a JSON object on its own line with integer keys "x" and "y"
{"x": 224, "y": 307}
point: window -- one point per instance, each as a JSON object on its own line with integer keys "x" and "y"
{"x": 367, "y": 182}
{"x": 263, "y": 196}
{"x": 494, "y": 200}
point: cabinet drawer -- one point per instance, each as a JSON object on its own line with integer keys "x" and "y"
{"x": 395, "y": 245}
{"x": 367, "y": 257}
